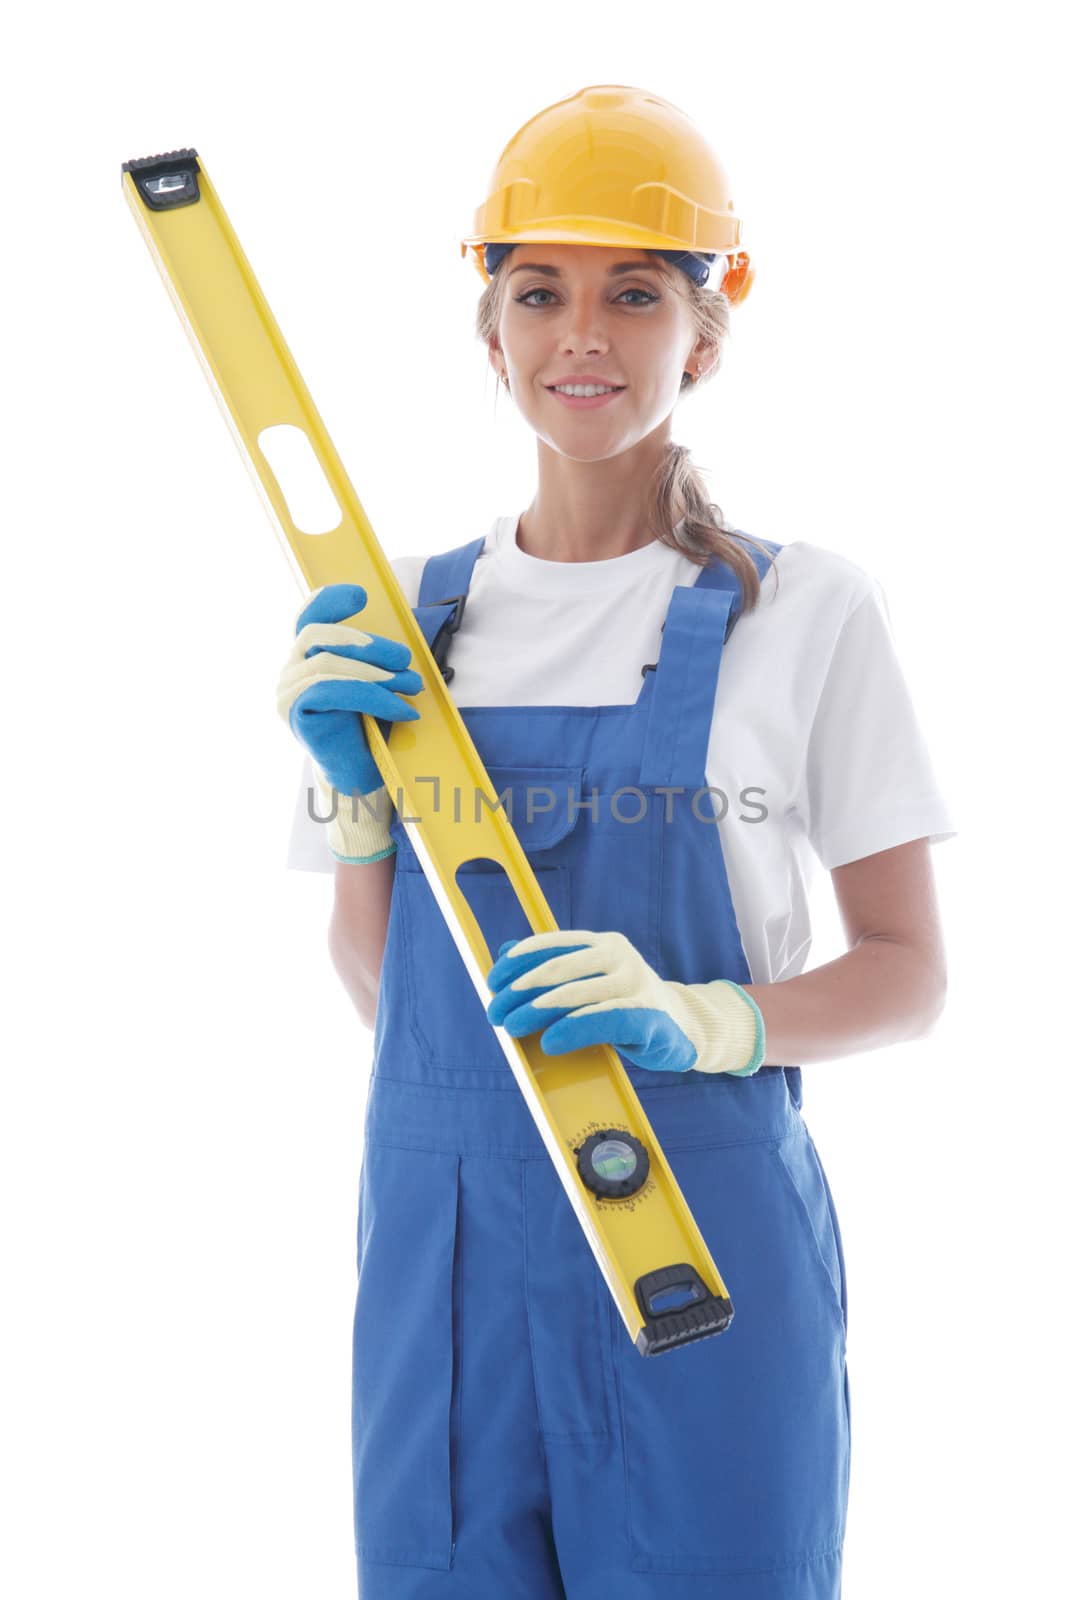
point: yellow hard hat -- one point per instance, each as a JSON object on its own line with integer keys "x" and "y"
{"x": 613, "y": 165}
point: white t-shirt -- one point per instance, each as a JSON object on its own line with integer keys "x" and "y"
{"x": 811, "y": 708}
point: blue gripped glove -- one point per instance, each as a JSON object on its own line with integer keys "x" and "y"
{"x": 595, "y": 988}
{"x": 333, "y": 674}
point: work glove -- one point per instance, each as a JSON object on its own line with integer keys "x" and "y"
{"x": 334, "y": 673}
{"x": 594, "y": 988}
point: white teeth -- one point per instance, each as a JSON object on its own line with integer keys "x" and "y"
{"x": 585, "y": 391}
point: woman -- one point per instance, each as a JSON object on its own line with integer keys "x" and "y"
{"x": 508, "y": 1438}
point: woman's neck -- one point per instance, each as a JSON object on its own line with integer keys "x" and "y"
{"x": 592, "y": 510}
{"x": 599, "y": 542}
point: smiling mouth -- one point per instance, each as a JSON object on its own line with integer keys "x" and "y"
{"x": 585, "y": 402}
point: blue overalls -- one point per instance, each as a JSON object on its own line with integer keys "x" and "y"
{"x": 509, "y": 1443}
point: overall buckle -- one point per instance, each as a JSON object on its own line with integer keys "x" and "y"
{"x": 445, "y": 632}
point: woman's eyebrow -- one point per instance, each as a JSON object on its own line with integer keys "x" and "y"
{"x": 554, "y": 272}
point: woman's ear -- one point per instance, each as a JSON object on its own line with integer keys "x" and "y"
{"x": 703, "y": 359}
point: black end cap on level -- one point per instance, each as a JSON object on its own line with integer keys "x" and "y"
{"x": 669, "y": 1322}
{"x": 166, "y": 181}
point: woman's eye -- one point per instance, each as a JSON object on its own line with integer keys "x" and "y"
{"x": 524, "y": 299}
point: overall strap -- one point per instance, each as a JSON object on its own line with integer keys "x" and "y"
{"x": 442, "y": 596}
{"x": 699, "y": 621}
{"x": 721, "y": 576}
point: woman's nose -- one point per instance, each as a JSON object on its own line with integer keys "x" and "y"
{"x": 582, "y": 336}
{"x": 581, "y": 329}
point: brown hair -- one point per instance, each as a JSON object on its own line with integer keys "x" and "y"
{"x": 704, "y": 536}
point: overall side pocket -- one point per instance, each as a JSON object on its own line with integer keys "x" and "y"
{"x": 735, "y": 1447}
{"x": 405, "y": 1357}
{"x": 802, "y": 1173}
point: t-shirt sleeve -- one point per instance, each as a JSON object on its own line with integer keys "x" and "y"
{"x": 868, "y": 782}
{"x": 308, "y": 850}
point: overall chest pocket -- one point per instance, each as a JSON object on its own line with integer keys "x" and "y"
{"x": 444, "y": 1016}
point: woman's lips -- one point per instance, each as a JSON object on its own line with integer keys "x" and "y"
{"x": 582, "y": 403}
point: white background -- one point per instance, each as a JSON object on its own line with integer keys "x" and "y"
{"x": 184, "y": 1076}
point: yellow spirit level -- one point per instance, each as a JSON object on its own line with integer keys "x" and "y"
{"x": 653, "y": 1258}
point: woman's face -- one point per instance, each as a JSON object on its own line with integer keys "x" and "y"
{"x": 570, "y": 309}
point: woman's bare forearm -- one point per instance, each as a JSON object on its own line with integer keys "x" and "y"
{"x": 879, "y": 993}
{"x": 358, "y": 928}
